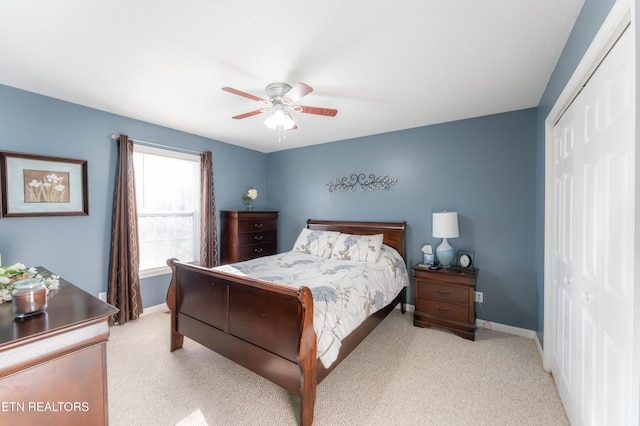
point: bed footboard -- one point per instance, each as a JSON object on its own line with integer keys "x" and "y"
{"x": 265, "y": 327}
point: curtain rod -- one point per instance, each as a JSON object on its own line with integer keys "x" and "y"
{"x": 114, "y": 136}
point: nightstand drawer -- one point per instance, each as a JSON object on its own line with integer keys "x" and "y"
{"x": 257, "y": 225}
{"x": 445, "y": 310}
{"x": 449, "y": 293}
{"x": 256, "y": 250}
{"x": 257, "y": 238}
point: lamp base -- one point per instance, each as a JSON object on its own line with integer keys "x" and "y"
{"x": 445, "y": 253}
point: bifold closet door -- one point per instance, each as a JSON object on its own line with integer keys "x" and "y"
{"x": 593, "y": 246}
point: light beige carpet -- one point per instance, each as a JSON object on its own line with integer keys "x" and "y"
{"x": 400, "y": 375}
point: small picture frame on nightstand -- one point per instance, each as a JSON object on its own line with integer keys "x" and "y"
{"x": 465, "y": 261}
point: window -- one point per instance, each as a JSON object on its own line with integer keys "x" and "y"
{"x": 168, "y": 201}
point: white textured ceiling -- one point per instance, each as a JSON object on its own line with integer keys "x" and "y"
{"x": 384, "y": 66}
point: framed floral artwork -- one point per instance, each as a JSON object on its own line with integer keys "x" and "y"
{"x": 34, "y": 185}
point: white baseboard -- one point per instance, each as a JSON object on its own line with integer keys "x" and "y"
{"x": 153, "y": 309}
{"x": 480, "y": 323}
{"x": 541, "y": 353}
{"x": 523, "y": 332}
{"x": 407, "y": 307}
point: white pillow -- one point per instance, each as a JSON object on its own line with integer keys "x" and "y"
{"x": 317, "y": 243}
{"x": 363, "y": 248}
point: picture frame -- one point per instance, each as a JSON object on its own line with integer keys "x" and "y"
{"x": 36, "y": 185}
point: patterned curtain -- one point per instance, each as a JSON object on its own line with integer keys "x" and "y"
{"x": 208, "y": 233}
{"x": 124, "y": 281}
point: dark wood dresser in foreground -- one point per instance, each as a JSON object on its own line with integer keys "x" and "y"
{"x": 445, "y": 298}
{"x": 247, "y": 234}
{"x": 53, "y": 366}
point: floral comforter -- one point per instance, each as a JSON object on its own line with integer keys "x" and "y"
{"x": 345, "y": 292}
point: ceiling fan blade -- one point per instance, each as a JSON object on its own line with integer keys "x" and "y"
{"x": 244, "y": 94}
{"x": 315, "y": 110}
{"x": 296, "y": 92}
{"x": 249, "y": 114}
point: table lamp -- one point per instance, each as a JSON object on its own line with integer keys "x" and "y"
{"x": 445, "y": 225}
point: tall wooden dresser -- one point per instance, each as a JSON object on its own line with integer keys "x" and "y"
{"x": 247, "y": 234}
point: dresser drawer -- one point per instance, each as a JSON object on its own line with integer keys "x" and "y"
{"x": 257, "y": 225}
{"x": 257, "y": 238}
{"x": 444, "y": 310}
{"x": 449, "y": 293}
{"x": 256, "y": 250}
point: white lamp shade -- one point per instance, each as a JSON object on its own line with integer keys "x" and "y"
{"x": 280, "y": 118}
{"x": 445, "y": 225}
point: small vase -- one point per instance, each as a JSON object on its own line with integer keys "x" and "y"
{"x": 249, "y": 205}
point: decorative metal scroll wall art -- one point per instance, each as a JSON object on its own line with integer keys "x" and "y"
{"x": 371, "y": 183}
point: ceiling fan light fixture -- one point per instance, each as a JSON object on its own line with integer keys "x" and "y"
{"x": 282, "y": 99}
{"x": 280, "y": 119}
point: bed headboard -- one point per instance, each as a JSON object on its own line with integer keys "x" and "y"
{"x": 394, "y": 232}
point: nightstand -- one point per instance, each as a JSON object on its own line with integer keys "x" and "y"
{"x": 445, "y": 298}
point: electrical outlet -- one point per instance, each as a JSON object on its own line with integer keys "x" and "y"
{"x": 102, "y": 296}
{"x": 478, "y": 296}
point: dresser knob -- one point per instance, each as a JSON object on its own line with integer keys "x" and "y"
{"x": 258, "y": 237}
{"x": 444, "y": 293}
{"x": 258, "y": 225}
{"x": 258, "y": 250}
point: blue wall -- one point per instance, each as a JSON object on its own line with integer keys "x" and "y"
{"x": 489, "y": 169}
{"x": 591, "y": 17}
{"x": 77, "y": 248}
{"x": 483, "y": 168}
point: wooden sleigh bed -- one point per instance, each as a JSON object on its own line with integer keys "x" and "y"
{"x": 267, "y": 327}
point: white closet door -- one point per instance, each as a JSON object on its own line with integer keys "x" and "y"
{"x": 593, "y": 174}
{"x": 615, "y": 226}
{"x": 565, "y": 181}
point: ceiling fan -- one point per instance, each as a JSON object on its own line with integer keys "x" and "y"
{"x": 280, "y": 104}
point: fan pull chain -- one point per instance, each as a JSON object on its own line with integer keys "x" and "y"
{"x": 282, "y": 133}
